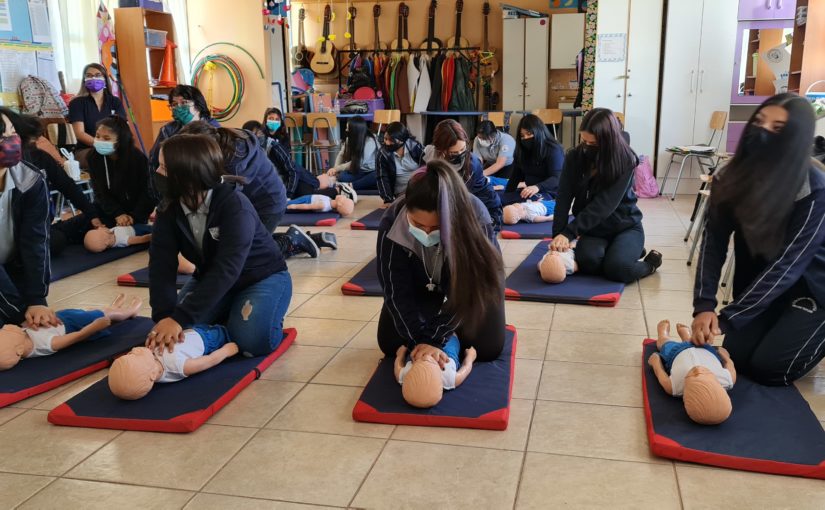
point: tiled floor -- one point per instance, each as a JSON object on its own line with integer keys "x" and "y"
{"x": 576, "y": 437}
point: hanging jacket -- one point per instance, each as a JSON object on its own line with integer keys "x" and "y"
{"x": 536, "y": 170}
{"x": 424, "y": 89}
{"x": 462, "y": 98}
{"x": 447, "y": 77}
{"x": 413, "y": 74}
{"x": 437, "y": 83}
{"x": 121, "y": 186}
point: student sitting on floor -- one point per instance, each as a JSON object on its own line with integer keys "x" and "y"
{"x": 355, "y": 164}
{"x": 400, "y": 156}
{"x": 101, "y": 239}
{"x": 700, "y": 375}
{"x": 538, "y": 160}
{"x": 423, "y": 382}
{"x": 132, "y": 376}
{"x": 322, "y": 203}
{"x": 556, "y": 266}
{"x": 532, "y": 211}
{"x": 76, "y": 326}
{"x": 496, "y": 150}
{"x": 275, "y": 130}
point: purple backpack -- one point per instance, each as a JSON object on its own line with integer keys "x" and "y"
{"x": 645, "y": 184}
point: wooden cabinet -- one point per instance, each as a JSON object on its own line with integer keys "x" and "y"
{"x": 766, "y": 9}
{"x": 525, "y": 56}
{"x": 566, "y": 40}
{"x": 698, "y": 58}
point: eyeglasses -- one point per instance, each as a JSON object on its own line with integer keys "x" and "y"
{"x": 90, "y": 76}
{"x": 188, "y": 104}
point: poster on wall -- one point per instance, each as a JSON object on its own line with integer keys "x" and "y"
{"x": 611, "y": 47}
{"x": 5, "y": 16}
{"x": 39, "y": 16}
{"x": 15, "y": 65}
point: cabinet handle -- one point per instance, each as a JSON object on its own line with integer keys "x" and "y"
{"x": 629, "y": 95}
{"x": 778, "y": 4}
{"x": 767, "y": 4}
{"x": 618, "y": 95}
{"x": 692, "y": 72}
{"x": 701, "y": 81}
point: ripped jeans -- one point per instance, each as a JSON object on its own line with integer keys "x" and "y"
{"x": 254, "y": 316}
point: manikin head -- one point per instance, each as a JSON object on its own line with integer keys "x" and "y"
{"x": 99, "y": 239}
{"x": 552, "y": 268}
{"x": 513, "y": 213}
{"x": 706, "y": 401}
{"x": 422, "y": 385}
{"x": 343, "y": 205}
{"x": 13, "y": 342}
{"x": 132, "y": 376}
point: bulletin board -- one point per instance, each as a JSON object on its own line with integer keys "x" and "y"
{"x": 25, "y": 46}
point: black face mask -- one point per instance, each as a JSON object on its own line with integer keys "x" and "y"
{"x": 528, "y": 143}
{"x": 590, "y": 151}
{"x": 457, "y": 159}
{"x": 394, "y": 146}
{"x": 161, "y": 183}
{"x": 759, "y": 140}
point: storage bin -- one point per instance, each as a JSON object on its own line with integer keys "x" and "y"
{"x": 146, "y": 4}
{"x": 155, "y": 38}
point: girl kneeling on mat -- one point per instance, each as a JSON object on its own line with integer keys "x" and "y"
{"x": 439, "y": 270}
{"x": 597, "y": 181}
{"x": 241, "y": 279}
{"x": 771, "y": 197}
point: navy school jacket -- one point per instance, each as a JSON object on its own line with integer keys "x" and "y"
{"x": 543, "y": 172}
{"x": 30, "y": 213}
{"x": 385, "y": 167}
{"x": 237, "y": 252}
{"x": 264, "y": 186}
{"x": 758, "y": 283}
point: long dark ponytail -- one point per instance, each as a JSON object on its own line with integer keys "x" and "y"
{"x": 476, "y": 267}
{"x": 759, "y": 188}
{"x": 614, "y": 157}
{"x": 357, "y": 134}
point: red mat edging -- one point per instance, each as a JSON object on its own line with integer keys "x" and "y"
{"x": 357, "y": 225}
{"x": 328, "y": 222}
{"x": 126, "y": 280}
{"x": 351, "y": 289}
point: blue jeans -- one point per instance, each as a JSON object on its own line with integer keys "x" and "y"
{"x": 364, "y": 180}
{"x": 452, "y": 348}
{"x": 75, "y": 320}
{"x": 550, "y": 205}
{"x": 141, "y": 229}
{"x": 214, "y": 337}
{"x": 254, "y": 316}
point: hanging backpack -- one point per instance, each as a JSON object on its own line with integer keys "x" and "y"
{"x": 38, "y": 97}
{"x": 645, "y": 184}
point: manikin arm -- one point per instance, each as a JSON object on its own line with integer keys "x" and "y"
{"x": 466, "y": 366}
{"x": 727, "y": 363}
{"x": 655, "y": 363}
{"x": 133, "y": 240}
{"x": 400, "y": 361}
{"x": 305, "y": 207}
{"x": 542, "y": 219}
{"x": 62, "y": 341}
{"x": 196, "y": 365}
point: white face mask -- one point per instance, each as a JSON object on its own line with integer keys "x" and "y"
{"x": 484, "y": 143}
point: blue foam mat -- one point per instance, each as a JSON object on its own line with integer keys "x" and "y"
{"x": 76, "y": 259}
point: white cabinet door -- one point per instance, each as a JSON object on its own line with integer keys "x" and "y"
{"x": 679, "y": 82}
{"x": 644, "y": 41}
{"x": 716, "y": 57}
{"x": 566, "y": 40}
{"x": 536, "y": 55}
{"x": 512, "y": 58}
{"x": 609, "y": 82}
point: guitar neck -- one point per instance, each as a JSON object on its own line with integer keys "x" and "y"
{"x": 400, "y": 32}
{"x": 486, "y": 45}
{"x": 458, "y": 30}
{"x": 377, "y": 43}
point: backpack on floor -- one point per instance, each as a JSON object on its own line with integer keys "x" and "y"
{"x": 645, "y": 184}
{"x": 38, "y": 97}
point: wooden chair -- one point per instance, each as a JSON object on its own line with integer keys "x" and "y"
{"x": 382, "y": 117}
{"x": 706, "y": 158}
{"x": 550, "y": 116}
{"x": 620, "y": 116}
{"x": 294, "y": 124}
{"x": 497, "y": 118}
{"x": 322, "y": 146}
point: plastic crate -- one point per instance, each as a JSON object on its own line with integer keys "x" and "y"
{"x": 155, "y": 38}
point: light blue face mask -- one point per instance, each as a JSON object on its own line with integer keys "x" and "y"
{"x": 104, "y": 148}
{"x": 424, "y": 238}
{"x": 273, "y": 125}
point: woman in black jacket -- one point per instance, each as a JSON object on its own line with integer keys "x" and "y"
{"x": 771, "y": 198}
{"x": 537, "y": 163}
{"x": 241, "y": 280}
{"x": 439, "y": 270}
{"x": 597, "y": 181}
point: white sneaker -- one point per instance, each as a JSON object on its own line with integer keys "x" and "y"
{"x": 346, "y": 188}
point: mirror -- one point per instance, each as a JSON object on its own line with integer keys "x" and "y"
{"x": 764, "y": 61}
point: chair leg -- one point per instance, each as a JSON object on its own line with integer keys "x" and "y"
{"x": 679, "y": 178}
{"x": 667, "y": 172}
{"x": 703, "y": 186}
{"x": 727, "y": 282}
{"x": 699, "y": 221}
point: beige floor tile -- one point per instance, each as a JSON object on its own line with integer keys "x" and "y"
{"x": 328, "y": 409}
{"x": 257, "y": 404}
{"x": 310, "y": 284}
{"x": 522, "y": 246}
{"x": 529, "y": 315}
{"x": 675, "y": 317}
{"x": 350, "y": 367}
{"x": 668, "y": 300}
{"x": 324, "y": 332}
{"x": 450, "y": 477}
{"x": 655, "y": 241}
{"x": 675, "y": 253}
{"x": 339, "y": 307}
{"x": 702, "y": 488}
{"x": 7, "y": 413}
{"x": 30, "y": 444}
{"x": 631, "y": 298}
{"x": 300, "y": 267}
{"x": 677, "y": 266}
{"x": 813, "y": 389}
{"x": 14, "y": 489}
{"x": 528, "y": 373}
{"x": 298, "y": 466}
{"x": 589, "y": 430}
{"x": 93, "y": 495}
{"x": 590, "y": 384}
{"x": 217, "y": 502}
{"x": 187, "y": 462}
{"x": 513, "y": 259}
{"x": 296, "y": 301}
{"x": 299, "y": 363}
{"x": 668, "y": 281}
{"x": 532, "y": 343}
{"x": 598, "y": 348}
{"x": 555, "y": 481}
{"x": 367, "y": 338}
{"x": 334, "y": 288}
{"x": 102, "y": 295}
{"x": 70, "y": 390}
{"x": 514, "y": 438}
{"x": 598, "y": 320}
{"x": 62, "y": 289}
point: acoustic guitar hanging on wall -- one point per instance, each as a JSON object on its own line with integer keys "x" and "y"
{"x": 300, "y": 55}
{"x": 457, "y": 41}
{"x": 349, "y": 58}
{"x": 431, "y": 44}
{"x": 323, "y": 62}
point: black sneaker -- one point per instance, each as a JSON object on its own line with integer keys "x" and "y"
{"x": 301, "y": 242}
{"x": 644, "y": 253}
{"x": 324, "y": 239}
{"x": 348, "y": 191}
{"x": 654, "y": 258}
